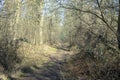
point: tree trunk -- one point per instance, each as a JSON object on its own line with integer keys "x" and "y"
{"x": 118, "y": 30}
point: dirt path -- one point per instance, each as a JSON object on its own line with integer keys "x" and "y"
{"x": 51, "y": 70}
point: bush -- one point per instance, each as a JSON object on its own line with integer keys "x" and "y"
{"x": 103, "y": 65}
{"x": 8, "y": 54}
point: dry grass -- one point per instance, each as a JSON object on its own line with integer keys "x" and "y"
{"x": 34, "y": 54}
{"x": 106, "y": 67}
{"x": 3, "y": 77}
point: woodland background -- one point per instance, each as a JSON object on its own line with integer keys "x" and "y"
{"x": 60, "y": 39}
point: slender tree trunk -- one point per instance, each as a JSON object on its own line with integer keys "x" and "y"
{"x": 17, "y": 15}
{"x": 40, "y": 20}
{"x": 41, "y": 30}
{"x": 118, "y": 30}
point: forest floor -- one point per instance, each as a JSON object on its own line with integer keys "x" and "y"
{"x": 41, "y": 63}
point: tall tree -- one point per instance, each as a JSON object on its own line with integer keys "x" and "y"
{"x": 118, "y": 30}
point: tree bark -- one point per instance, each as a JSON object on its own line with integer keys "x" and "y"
{"x": 118, "y": 30}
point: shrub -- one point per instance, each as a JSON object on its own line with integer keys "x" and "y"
{"x": 8, "y": 54}
{"x": 103, "y": 65}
